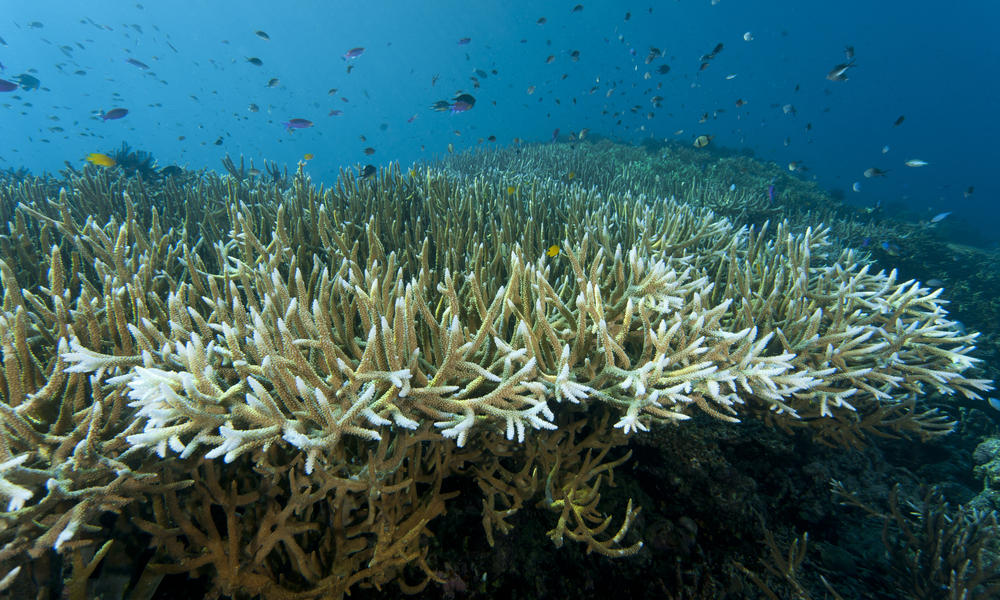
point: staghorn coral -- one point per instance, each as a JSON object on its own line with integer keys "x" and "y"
{"x": 279, "y": 388}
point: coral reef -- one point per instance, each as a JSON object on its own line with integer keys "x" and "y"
{"x": 282, "y": 388}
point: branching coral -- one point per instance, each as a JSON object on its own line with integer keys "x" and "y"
{"x": 317, "y": 365}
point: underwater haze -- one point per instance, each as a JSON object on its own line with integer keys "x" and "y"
{"x": 201, "y": 80}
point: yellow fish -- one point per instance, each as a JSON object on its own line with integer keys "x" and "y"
{"x": 702, "y": 140}
{"x": 308, "y": 156}
{"x": 571, "y": 175}
{"x": 413, "y": 172}
{"x": 102, "y": 160}
{"x": 511, "y": 190}
{"x": 552, "y": 251}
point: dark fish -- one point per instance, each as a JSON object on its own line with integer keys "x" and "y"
{"x": 218, "y": 142}
{"x": 253, "y": 60}
{"x": 354, "y": 53}
{"x": 3, "y": 42}
{"x": 464, "y": 41}
{"x": 899, "y": 121}
{"x": 297, "y": 124}
{"x": 493, "y": 138}
{"x": 481, "y": 73}
{"x": 171, "y": 171}
{"x": 369, "y": 151}
{"x": 839, "y": 72}
{"x": 849, "y": 52}
{"x": 138, "y": 63}
{"x": 540, "y": 21}
{"x": 253, "y": 108}
{"x": 663, "y": 69}
{"x": 577, "y": 8}
{"x": 575, "y": 55}
{"x": 555, "y": 134}
{"x": 262, "y": 35}
{"x": 628, "y": 16}
{"x": 28, "y": 82}
{"x": 462, "y": 103}
{"x": 273, "y": 82}
{"x": 114, "y": 113}
{"x": 368, "y": 171}
{"x": 7, "y": 86}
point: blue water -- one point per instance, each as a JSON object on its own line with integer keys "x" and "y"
{"x": 935, "y": 63}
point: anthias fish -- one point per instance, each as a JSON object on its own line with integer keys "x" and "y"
{"x": 297, "y": 124}
{"x": 114, "y": 113}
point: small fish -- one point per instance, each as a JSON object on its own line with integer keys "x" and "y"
{"x": 940, "y": 217}
{"x": 916, "y": 162}
{"x": 101, "y": 160}
{"x": 253, "y": 107}
{"x": 552, "y": 251}
{"x": 531, "y": 90}
{"x": 796, "y": 167}
{"x": 262, "y": 35}
{"x": 307, "y": 156}
{"x": 934, "y": 283}
{"x": 511, "y": 190}
{"x": 732, "y": 187}
{"x": 885, "y": 149}
{"x": 550, "y": 59}
{"x": 297, "y": 124}
{"x": 857, "y": 186}
{"x": 137, "y": 63}
{"x": 113, "y": 114}
{"x": 540, "y": 21}
{"x": 555, "y": 135}
{"x": 464, "y": 41}
{"x": 770, "y": 193}
{"x": 839, "y": 72}
{"x": 7, "y": 86}
{"x": 899, "y": 121}
{"x": 969, "y": 191}
{"x": 748, "y": 37}
{"x": 875, "y": 172}
{"x": 492, "y": 138}
{"x": 253, "y": 60}
{"x": 331, "y": 91}
{"x": 462, "y": 103}
{"x": 335, "y": 112}
{"x": 273, "y": 82}
{"x": 702, "y": 140}
{"x": 789, "y": 109}
{"x": 369, "y": 151}
{"x": 849, "y": 52}
{"x": 890, "y": 248}
{"x": 368, "y": 172}
{"x": 354, "y": 53}
{"x": 571, "y": 175}
{"x": 663, "y": 69}
{"x": 577, "y": 8}
{"x": 252, "y": 172}
{"x": 28, "y": 82}
{"x": 451, "y": 148}
{"x": 3, "y": 42}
